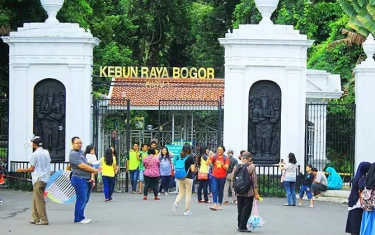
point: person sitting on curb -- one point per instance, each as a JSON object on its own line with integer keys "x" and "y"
{"x": 320, "y": 183}
{"x": 334, "y": 179}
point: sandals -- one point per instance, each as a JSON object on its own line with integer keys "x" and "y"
{"x": 213, "y": 208}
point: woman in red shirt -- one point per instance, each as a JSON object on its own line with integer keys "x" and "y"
{"x": 219, "y": 173}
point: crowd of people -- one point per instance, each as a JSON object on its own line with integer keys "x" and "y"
{"x": 154, "y": 171}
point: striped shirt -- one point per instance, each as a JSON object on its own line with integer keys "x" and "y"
{"x": 253, "y": 177}
{"x": 41, "y": 160}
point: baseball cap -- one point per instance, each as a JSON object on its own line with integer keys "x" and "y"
{"x": 37, "y": 141}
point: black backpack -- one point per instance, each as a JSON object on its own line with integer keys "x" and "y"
{"x": 242, "y": 181}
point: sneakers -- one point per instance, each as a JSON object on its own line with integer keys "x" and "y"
{"x": 84, "y": 221}
{"x": 157, "y": 198}
{"x": 166, "y": 194}
{"x": 299, "y": 204}
{"x": 32, "y": 221}
{"x": 187, "y": 213}
{"x": 145, "y": 198}
{"x": 174, "y": 207}
{"x": 40, "y": 222}
{"x": 311, "y": 206}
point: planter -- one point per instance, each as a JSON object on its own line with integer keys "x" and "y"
{"x": 52, "y": 7}
{"x": 266, "y": 8}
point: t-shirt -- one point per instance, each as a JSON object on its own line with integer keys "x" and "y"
{"x": 165, "y": 166}
{"x": 290, "y": 172}
{"x": 91, "y": 159}
{"x": 133, "y": 161}
{"x": 41, "y": 160}
{"x": 218, "y": 170}
{"x": 203, "y": 168}
{"x": 321, "y": 178}
{"x": 188, "y": 162}
{"x": 152, "y": 165}
{"x": 76, "y": 158}
{"x": 232, "y": 163}
{"x": 108, "y": 170}
{"x": 144, "y": 155}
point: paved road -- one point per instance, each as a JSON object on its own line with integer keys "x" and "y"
{"x": 129, "y": 214}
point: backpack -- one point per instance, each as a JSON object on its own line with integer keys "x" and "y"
{"x": 242, "y": 181}
{"x": 368, "y": 199}
{"x": 179, "y": 168}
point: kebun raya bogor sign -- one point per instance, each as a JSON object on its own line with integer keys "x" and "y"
{"x": 157, "y": 72}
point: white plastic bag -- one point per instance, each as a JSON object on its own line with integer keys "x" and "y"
{"x": 255, "y": 221}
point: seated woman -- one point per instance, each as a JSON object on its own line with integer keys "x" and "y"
{"x": 334, "y": 179}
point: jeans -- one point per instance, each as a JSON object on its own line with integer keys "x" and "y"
{"x": 108, "y": 186}
{"x": 290, "y": 189}
{"x": 133, "y": 179}
{"x": 217, "y": 185}
{"x": 203, "y": 184}
{"x": 307, "y": 189}
{"x": 244, "y": 208}
{"x": 164, "y": 184}
{"x": 83, "y": 190}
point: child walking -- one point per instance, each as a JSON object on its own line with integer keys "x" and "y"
{"x": 307, "y": 180}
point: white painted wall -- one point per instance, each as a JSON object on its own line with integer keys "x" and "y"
{"x": 39, "y": 51}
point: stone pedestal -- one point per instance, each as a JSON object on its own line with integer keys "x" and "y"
{"x": 365, "y": 109}
{"x": 44, "y": 56}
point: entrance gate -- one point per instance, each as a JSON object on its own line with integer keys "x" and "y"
{"x": 199, "y": 122}
{"x": 330, "y": 137}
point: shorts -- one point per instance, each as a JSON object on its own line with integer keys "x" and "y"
{"x": 141, "y": 178}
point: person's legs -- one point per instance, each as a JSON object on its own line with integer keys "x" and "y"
{"x": 200, "y": 187}
{"x": 155, "y": 183}
{"x": 247, "y": 206}
{"x": 293, "y": 192}
{"x": 40, "y": 203}
{"x": 111, "y": 183}
{"x": 205, "y": 190}
{"x": 82, "y": 191}
{"x": 147, "y": 186}
{"x": 226, "y": 188}
{"x": 106, "y": 187}
{"x": 188, "y": 186}
{"x": 288, "y": 193}
{"x": 34, "y": 211}
{"x": 166, "y": 185}
{"x": 141, "y": 179}
{"x": 181, "y": 190}
{"x": 221, "y": 184}
{"x": 214, "y": 188}
{"x": 162, "y": 183}
{"x": 240, "y": 202}
{"x": 309, "y": 196}
{"x": 301, "y": 193}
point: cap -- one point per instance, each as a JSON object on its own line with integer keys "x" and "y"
{"x": 37, "y": 141}
{"x": 246, "y": 155}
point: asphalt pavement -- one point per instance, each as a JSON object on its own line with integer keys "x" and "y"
{"x": 129, "y": 214}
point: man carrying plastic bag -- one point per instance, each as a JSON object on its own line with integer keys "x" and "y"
{"x": 246, "y": 188}
{"x": 255, "y": 221}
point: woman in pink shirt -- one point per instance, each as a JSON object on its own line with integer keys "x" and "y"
{"x": 151, "y": 173}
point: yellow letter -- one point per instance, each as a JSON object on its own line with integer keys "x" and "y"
{"x": 184, "y": 69}
{"x": 165, "y": 73}
{"x": 210, "y": 73}
{"x": 111, "y": 71}
{"x": 176, "y": 72}
{"x": 144, "y": 72}
{"x": 193, "y": 72}
{"x": 159, "y": 70}
{"x": 118, "y": 71}
{"x": 134, "y": 72}
{"x": 153, "y": 72}
{"x": 102, "y": 72}
{"x": 204, "y": 73}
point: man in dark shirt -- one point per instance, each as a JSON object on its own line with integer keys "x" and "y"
{"x": 229, "y": 183}
{"x": 80, "y": 180}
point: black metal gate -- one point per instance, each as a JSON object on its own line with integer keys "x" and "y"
{"x": 111, "y": 127}
{"x": 4, "y": 129}
{"x": 195, "y": 121}
{"x": 330, "y": 137}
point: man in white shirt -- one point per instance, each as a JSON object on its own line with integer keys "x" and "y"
{"x": 320, "y": 183}
{"x": 40, "y": 173}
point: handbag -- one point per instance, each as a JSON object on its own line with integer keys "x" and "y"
{"x": 202, "y": 176}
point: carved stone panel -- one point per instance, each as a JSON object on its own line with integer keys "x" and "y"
{"x": 264, "y": 122}
{"x": 49, "y": 116}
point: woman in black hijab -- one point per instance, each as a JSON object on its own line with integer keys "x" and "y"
{"x": 353, "y": 223}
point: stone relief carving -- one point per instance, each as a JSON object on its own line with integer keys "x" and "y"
{"x": 264, "y": 122}
{"x": 49, "y": 116}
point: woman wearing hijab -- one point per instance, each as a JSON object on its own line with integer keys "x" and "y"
{"x": 353, "y": 223}
{"x": 334, "y": 179}
{"x": 368, "y": 217}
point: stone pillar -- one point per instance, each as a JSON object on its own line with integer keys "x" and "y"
{"x": 273, "y": 58}
{"x": 365, "y": 109}
{"x": 61, "y": 53}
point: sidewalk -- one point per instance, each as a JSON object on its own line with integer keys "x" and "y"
{"x": 129, "y": 214}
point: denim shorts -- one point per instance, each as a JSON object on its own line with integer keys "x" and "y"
{"x": 141, "y": 178}
{"x": 303, "y": 189}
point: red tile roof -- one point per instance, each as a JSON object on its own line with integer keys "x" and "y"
{"x": 147, "y": 92}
